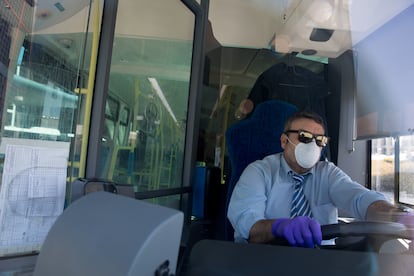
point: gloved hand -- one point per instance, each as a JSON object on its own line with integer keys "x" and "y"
{"x": 298, "y": 231}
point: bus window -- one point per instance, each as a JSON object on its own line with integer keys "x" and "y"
{"x": 406, "y": 172}
{"x": 383, "y": 166}
{"x": 150, "y": 77}
{"x": 44, "y": 70}
{"x": 392, "y": 168}
{"x": 124, "y": 120}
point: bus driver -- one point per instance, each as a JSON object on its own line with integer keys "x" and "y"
{"x": 290, "y": 194}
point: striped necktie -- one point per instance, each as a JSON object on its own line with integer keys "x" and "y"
{"x": 300, "y": 206}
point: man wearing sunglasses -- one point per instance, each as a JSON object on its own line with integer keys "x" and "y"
{"x": 290, "y": 194}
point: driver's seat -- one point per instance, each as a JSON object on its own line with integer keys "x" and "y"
{"x": 252, "y": 139}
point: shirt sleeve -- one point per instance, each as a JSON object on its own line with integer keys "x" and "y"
{"x": 248, "y": 201}
{"x": 349, "y": 195}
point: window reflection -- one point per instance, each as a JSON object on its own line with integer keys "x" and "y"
{"x": 46, "y": 85}
{"x": 44, "y": 73}
{"x": 149, "y": 80}
{"x": 40, "y": 98}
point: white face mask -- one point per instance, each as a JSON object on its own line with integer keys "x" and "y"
{"x": 307, "y": 154}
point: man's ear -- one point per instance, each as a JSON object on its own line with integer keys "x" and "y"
{"x": 283, "y": 140}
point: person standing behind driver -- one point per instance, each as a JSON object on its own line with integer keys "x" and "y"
{"x": 260, "y": 207}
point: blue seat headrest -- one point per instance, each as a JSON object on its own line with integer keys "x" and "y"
{"x": 256, "y": 137}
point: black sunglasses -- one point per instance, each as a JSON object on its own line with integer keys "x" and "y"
{"x": 307, "y": 137}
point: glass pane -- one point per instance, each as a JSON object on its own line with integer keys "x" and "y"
{"x": 149, "y": 80}
{"x": 383, "y": 167}
{"x": 45, "y": 56}
{"x": 407, "y": 170}
{"x": 380, "y": 112}
{"x": 111, "y": 109}
{"x": 173, "y": 201}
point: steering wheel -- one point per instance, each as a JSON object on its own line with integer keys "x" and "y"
{"x": 365, "y": 228}
{"x": 359, "y": 235}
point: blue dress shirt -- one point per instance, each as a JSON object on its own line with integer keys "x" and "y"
{"x": 265, "y": 189}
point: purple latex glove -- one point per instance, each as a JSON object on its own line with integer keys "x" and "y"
{"x": 298, "y": 231}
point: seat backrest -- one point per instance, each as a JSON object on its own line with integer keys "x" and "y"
{"x": 103, "y": 233}
{"x": 253, "y": 139}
